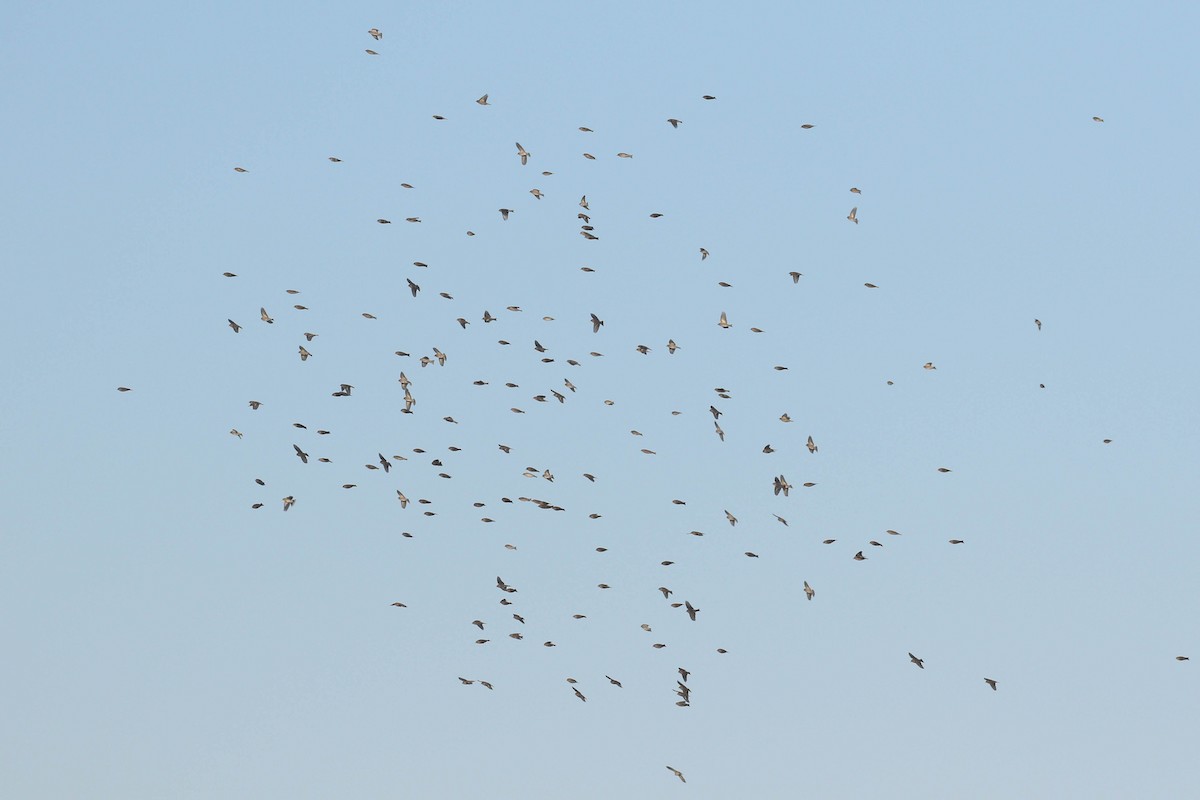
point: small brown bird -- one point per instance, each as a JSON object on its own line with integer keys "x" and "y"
{"x": 1097, "y": 119}
{"x": 304, "y": 354}
{"x": 483, "y": 101}
{"x": 265, "y": 317}
{"x": 853, "y": 215}
{"x": 956, "y": 541}
{"x": 990, "y": 683}
{"x": 236, "y": 328}
{"x": 855, "y": 190}
{"x": 674, "y": 771}
{"x": 239, "y": 169}
{"x": 614, "y": 682}
{"x": 796, "y": 276}
{"x": 943, "y": 469}
{"x": 920, "y": 662}
{"x": 376, "y": 34}
{"x": 811, "y": 445}
{"x": 692, "y": 611}
{"x": 675, "y": 122}
{"x": 808, "y": 591}
{"x": 255, "y": 405}
{"x": 857, "y": 556}
{"x": 523, "y": 153}
{"x": 724, "y": 321}
{"x": 1182, "y": 658}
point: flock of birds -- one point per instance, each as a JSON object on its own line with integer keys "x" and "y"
{"x": 567, "y": 392}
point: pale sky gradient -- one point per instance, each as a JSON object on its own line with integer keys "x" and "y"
{"x": 164, "y": 640}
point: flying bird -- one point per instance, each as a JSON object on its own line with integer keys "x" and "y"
{"x": 523, "y": 153}
{"x": 853, "y": 215}
{"x": 920, "y": 662}
{"x": 674, "y": 771}
{"x": 990, "y": 683}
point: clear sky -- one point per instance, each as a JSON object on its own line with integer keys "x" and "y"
{"x": 163, "y": 639}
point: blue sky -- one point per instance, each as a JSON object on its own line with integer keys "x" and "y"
{"x": 167, "y": 640}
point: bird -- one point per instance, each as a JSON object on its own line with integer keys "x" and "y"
{"x": 304, "y": 354}
{"x": 483, "y": 101}
{"x": 504, "y": 212}
{"x": 857, "y": 556}
{"x": 1097, "y": 119}
{"x": 412, "y": 287}
{"x": 1038, "y": 322}
{"x": 666, "y": 593}
{"x": 240, "y": 169}
{"x": 928, "y": 365}
{"x": 853, "y": 215}
{"x": 675, "y": 122}
{"x": 920, "y": 662}
{"x": 796, "y": 276}
{"x": 855, "y": 190}
{"x": 537, "y": 194}
{"x": 691, "y": 611}
{"x": 288, "y": 502}
{"x": 724, "y": 321}
{"x": 265, "y": 317}
{"x": 235, "y": 432}
{"x": 236, "y": 328}
{"x": 811, "y": 445}
{"x": 596, "y": 323}
{"x": 579, "y": 694}
{"x": 614, "y": 682}
{"x": 676, "y": 772}
{"x": 523, "y": 153}
{"x": 255, "y": 405}
{"x": 731, "y": 518}
{"x": 990, "y": 683}
{"x": 376, "y": 34}
{"x": 808, "y": 591}
{"x": 1182, "y": 658}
